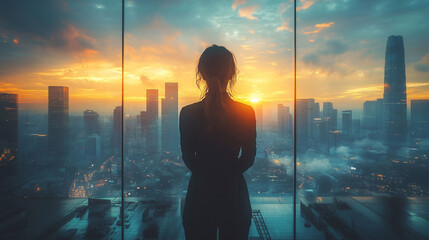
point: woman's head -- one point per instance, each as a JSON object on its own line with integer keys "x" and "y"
{"x": 217, "y": 70}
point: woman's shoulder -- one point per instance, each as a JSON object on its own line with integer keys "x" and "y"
{"x": 190, "y": 108}
{"x": 242, "y": 107}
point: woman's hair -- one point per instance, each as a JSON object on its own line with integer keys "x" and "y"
{"x": 217, "y": 70}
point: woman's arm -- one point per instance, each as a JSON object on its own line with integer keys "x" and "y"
{"x": 248, "y": 149}
{"x": 186, "y": 141}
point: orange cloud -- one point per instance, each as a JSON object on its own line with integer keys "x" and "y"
{"x": 90, "y": 53}
{"x": 15, "y": 41}
{"x": 238, "y": 3}
{"x": 305, "y": 5}
{"x": 319, "y": 27}
{"x": 284, "y": 26}
{"x": 247, "y": 12}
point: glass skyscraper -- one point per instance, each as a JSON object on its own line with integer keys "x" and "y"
{"x": 169, "y": 118}
{"x": 395, "y": 95}
{"x": 8, "y": 133}
{"x": 58, "y": 123}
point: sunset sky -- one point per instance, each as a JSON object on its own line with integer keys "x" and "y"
{"x": 341, "y": 47}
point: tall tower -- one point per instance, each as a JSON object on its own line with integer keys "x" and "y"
{"x": 329, "y": 114}
{"x": 91, "y": 122}
{"x": 8, "y": 134}
{"x": 169, "y": 118}
{"x": 58, "y": 122}
{"x": 395, "y": 93}
{"x": 420, "y": 119}
{"x": 347, "y": 124}
{"x": 304, "y": 121}
{"x": 149, "y": 121}
{"x": 284, "y": 120}
{"x": 370, "y": 115}
{"x": 117, "y": 128}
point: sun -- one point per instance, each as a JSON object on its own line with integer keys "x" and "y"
{"x": 254, "y": 100}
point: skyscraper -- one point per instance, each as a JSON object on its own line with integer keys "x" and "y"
{"x": 169, "y": 118}
{"x": 420, "y": 119}
{"x": 58, "y": 123}
{"x": 379, "y": 117}
{"x": 8, "y": 133}
{"x": 149, "y": 121}
{"x": 117, "y": 128}
{"x": 347, "y": 124}
{"x": 395, "y": 93}
{"x": 304, "y": 121}
{"x": 316, "y": 110}
{"x": 91, "y": 122}
{"x": 284, "y": 120}
{"x": 329, "y": 114}
{"x": 370, "y": 115}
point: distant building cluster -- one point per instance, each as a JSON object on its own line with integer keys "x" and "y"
{"x": 384, "y": 119}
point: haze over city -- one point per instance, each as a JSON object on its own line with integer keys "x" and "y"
{"x": 77, "y": 44}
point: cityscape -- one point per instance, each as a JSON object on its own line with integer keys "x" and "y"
{"x": 361, "y": 173}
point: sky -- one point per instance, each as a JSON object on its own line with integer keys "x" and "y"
{"x": 340, "y": 49}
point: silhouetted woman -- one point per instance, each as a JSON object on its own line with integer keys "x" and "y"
{"x": 213, "y": 132}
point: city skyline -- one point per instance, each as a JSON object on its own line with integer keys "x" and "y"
{"x": 87, "y": 154}
{"x": 161, "y": 48}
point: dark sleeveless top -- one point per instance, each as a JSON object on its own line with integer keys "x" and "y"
{"x": 217, "y": 188}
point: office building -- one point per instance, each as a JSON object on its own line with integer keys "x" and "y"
{"x": 284, "y": 120}
{"x": 8, "y": 134}
{"x": 379, "y": 117}
{"x": 304, "y": 121}
{"x": 395, "y": 93}
{"x": 149, "y": 121}
{"x": 329, "y": 114}
{"x": 370, "y": 115}
{"x": 58, "y": 123}
{"x": 170, "y": 118}
{"x": 347, "y": 124}
{"x": 91, "y": 122}
{"x": 117, "y": 128}
{"x": 420, "y": 119}
{"x": 92, "y": 148}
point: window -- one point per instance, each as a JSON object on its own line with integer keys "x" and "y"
{"x": 68, "y": 125}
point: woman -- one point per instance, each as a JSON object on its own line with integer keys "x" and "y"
{"x": 212, "y": 134}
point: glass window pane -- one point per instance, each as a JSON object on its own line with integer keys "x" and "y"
{"x": 60, "y": 80}
{"x": 361, "y": 127}
{"x": 164, "y": 41}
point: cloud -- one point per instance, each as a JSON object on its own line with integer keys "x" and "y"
{"x": 311, "y": 59}
{"x": 416, "y": 84}
{"x": 46, "y": 24}
{"x": 376, "y": 88}
{"x": 247, "y": 12}
{"x": 284, "y": 26}
{"x": 334, "y": 47}
{"x": 238, "y": 3}
{"x": 423, "y": 65}
{"x": 319, "y": 27}
{"x": 147, "y": 82}
{"x": 330, "y": 48}
{"x": 305, "y": 5}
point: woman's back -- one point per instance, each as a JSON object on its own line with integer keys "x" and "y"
{"x": 217, "y": 188}
{"x": 212, "y": 134}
